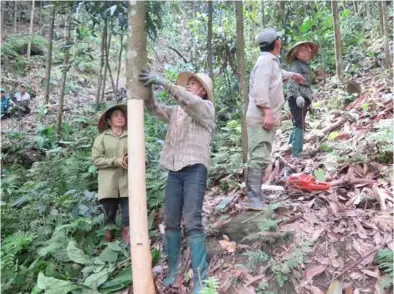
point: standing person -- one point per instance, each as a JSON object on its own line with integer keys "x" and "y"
{"x": 263, "y": 116}
{"x": 22, "y": 101}
{"x": 300, "y": 95}
{"x": 186, "y": 154}
{"x": 7, "y": 105}
{"x": 109, "y": 155}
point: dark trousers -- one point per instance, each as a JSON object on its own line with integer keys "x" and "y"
{"x": 110, "y": 208}
{"x": 185, "y": 193}
{"x": 298, "y": 113}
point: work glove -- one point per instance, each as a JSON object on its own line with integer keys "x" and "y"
{"x": 300, "y": 101}
{"x": 119, "y": 162}
{"x": 150, "y": 79}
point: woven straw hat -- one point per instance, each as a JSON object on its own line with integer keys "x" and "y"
{"x": 204, "y": 79}
{"x": 103, "y": 124}
{"x": 290, "y": 55}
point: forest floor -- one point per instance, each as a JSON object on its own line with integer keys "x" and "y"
{"x": 302, "y": 241}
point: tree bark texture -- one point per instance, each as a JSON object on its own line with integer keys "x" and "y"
{"x": 31, "y": 29}
{"x": 65, "y": 71}
{"x": 243, "y": 87}
{"x": 337, "y": 41}
{"x": 139, "y": 239}
{"x": 49, "y": 57}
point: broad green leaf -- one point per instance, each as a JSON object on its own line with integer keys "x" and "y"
{"x": 319, "y": 174}
{"x": 108, "y": 255}
{"x": 76, "y": 254}
{"x": 54, "y": 286}
{"x": 155, "y": 256}
{"x": 114, "y": 246}
{"x": 95, "y": 280}
{"x": 120, "y": 281}
{"x": 333, "y": 135}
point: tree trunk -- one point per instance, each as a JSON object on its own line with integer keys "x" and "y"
{"x": 2, "y": 8}
{"x": 31, "y": 29}
{"x": 119, "y": 66}
{"x": 49, "y": 58}
{"x": 243, "y": 87}
{"x": 262, "y": 14}
{"x": 105, "y": 63}
{"x": 387, "y": 58}
{"x": 337, "y": 40}
{"x": 39, "y": 13}
{"x": 209, "y": 42}
{"x": 141, "y": 258}
{"x": 15, "y": 14}
{"x": 100, "y": 77}
{"x": 355, "y": 6}
{"x": 381, "y": 25}
{"x": 65, "y": 71}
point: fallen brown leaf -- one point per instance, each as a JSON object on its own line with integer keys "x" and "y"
{"x": 229, "y": 246}
{"x": 314, "y": 271}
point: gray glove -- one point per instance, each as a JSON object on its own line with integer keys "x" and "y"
{"x": 300, "y": 101}
{"x": 152, "y": 79}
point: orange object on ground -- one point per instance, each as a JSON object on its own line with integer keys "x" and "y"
{"x": 306, "y": 182}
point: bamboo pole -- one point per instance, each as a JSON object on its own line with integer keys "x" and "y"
{"x": 141, "y": 258}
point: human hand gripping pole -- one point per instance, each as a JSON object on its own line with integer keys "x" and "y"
{"x": 149, "y": 79}
{"x": 300, "y": 101}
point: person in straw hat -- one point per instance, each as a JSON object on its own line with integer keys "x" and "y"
{"x": 263, "y": 116}
{"x": 300, "y": 95}
{"x": 186, "y": 154}
{"x": 109, "y": 155}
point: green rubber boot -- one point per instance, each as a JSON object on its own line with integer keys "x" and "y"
{"x": 291, "y": 138}
{"x": 198, "y": 249}
{"x": 298, "y": 142}
{"x": 253, "y": 184}
{"x": 174, "y": 253}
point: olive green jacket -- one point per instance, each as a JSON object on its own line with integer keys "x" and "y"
{"x": 303, "y": 89}
{"x": 112, "y": 180}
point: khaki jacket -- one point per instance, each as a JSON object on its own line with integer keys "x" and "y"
{"x": 112, "y": 180}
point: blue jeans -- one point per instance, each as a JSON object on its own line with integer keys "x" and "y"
{"x": 185, "y": 193}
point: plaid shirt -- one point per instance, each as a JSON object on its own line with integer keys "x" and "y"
{"x": 190, "y": 128}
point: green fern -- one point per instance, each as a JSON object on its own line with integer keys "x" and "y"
{"x": 256, "y": 257}
{"x": 384, "y": 259}
{"x": 211, "y": 286}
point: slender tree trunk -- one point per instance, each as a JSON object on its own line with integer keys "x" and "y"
{"x": 387, "y": 58}
{"x": 262, "y": 14}
{"x": 209, "y": 42}
{"x": 15, "y": 14}
{"x": 65, "y": 71}
{"x": 2, "y": 8}
{"x": 243, "y": 87}
{"x": 355, "y": 6}
{"x": 105, "y": 58}
{"x": 337, "y": 40}
{"x": 141, "y": 258}
{"x": 49, "y": 57}
{"x": 119, "y": 67}
{"x": 381, "y": 26}
{"x": 100, "y": 78}
{"x": 107, "y": 61}
{"x": 39, "y": 13}
{"x": 31, "y": 29}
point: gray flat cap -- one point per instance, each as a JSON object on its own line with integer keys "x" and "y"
{"x": 267, "y": 36}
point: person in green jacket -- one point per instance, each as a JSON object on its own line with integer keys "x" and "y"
{"x": 299, "y": 95}
{"x": 109, "y": 155}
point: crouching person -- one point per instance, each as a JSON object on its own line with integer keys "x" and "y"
{"x": 110, "y": 157}
{"x": 186, "y": 154}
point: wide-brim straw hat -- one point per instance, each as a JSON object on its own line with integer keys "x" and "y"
{"x": 204, "y": 79}
{"x": 312, "y": 45}
{"x": 103, "y": 124}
